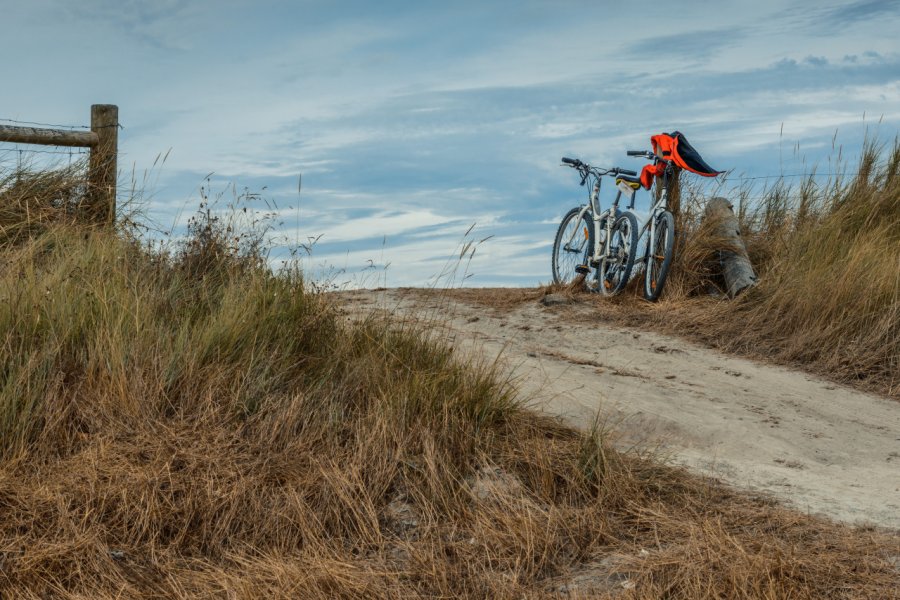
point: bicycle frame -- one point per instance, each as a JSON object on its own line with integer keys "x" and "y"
{"x": 600, "y": 249}
{"x": 661, "y": 205}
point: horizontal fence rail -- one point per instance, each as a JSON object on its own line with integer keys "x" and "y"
{"x": 48, "y": 137}
{"x": 103, "y": 142}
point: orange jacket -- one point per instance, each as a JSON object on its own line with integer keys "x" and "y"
{"x": 674, "y": 147}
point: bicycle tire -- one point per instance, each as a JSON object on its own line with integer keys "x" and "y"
{"x": 660, "y": 247}
{"x": 564, "y": 271}
{"x": 612, "y": 276}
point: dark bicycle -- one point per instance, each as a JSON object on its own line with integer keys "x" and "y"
{"x": 671, "y": 153}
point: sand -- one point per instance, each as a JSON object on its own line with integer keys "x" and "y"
{"x": 817, "y": 446}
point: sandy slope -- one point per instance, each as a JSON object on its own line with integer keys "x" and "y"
{"x": 824, "y": 448}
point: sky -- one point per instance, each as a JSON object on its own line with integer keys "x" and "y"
{"x": 393, "y": 133}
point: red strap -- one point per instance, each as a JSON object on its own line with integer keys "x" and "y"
{"x": 649, "y": 172}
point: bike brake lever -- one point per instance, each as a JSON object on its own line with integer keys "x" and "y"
{"x": 584, "y": 178}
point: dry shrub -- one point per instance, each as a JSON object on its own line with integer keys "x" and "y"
{"x": 696, "y": 268}
{"x": 165, "y": 433}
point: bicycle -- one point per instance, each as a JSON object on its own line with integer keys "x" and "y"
{"x": 590, "y": 238}
{"x": 661, "y": 225}
{"x": 670, "y": 154}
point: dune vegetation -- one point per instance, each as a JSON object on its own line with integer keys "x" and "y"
{"x": 183, "y": 422}
{"x": 827, "y": 254}
{"x": 828, "y": 260}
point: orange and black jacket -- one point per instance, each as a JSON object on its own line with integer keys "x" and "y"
{"x": 674, "y": 147}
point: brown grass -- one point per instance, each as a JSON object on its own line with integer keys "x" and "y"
{"x": 32, "y": 200}
{"x": 189, "y": 424}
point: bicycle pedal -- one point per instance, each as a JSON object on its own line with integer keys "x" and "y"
{"x": 582, "y": 269}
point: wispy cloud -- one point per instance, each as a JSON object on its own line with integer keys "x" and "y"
{"x": 864, "y": 11}
{"x": 689, "y": 45}
{"x": 162, "y": 23}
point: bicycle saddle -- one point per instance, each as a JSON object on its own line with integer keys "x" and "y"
{"x": 633, "y": 182}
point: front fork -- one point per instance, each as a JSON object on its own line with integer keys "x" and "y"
{"x": 568, "y": 247}
{"x": 651, "y": 233}
{"x": 658, "y": 209}
{"x": 601, "y": 244}
{"x": 601, "y": 235}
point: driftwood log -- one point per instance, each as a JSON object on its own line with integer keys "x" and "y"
{"x": 736, "y": 267}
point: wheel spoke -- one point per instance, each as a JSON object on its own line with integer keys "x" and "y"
{"x": 659, "y": 249}
{"x": 616, "y": 266}
{"x": 570, "y": 249}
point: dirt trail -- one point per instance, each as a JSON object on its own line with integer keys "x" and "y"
{"x": 821, "y": 447}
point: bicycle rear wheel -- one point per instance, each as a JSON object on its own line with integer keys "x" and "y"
{"x": 660, "y": 247}
{"x": 615, "y": 269}
{"x": 572, "y": 246}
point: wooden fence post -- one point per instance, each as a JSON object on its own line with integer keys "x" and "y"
{"x": 102, "y": 165}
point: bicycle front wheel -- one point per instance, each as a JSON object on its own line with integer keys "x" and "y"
{"x": 573, "y": 243}
{"x": 660, "y": 246}
{"x": 615, "y": 267}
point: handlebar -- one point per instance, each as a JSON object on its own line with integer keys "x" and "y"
{"x": 649, "y": 155}
{"x": 587, "y": 169}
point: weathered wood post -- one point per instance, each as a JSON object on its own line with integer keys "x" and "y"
{"x": 103, "y": 140}
{"x": 736, "y": 266}
{"x": 102, "y": 165}
{"x": 47, "y": 137}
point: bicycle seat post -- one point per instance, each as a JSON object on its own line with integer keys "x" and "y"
{"x": 595, "y": 196}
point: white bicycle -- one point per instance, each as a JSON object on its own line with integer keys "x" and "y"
{"x": 596, "y": 248}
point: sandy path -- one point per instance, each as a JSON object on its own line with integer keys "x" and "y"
{"x": 821, "y": 447}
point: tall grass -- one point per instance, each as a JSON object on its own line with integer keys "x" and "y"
{"x": 32, "y": 200}
{"x": 827, "y": 253}
{"x": 828, "y": 257}
{"x": 187, "y": 423}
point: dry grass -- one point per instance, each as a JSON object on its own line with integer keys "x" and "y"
{"x": 188, "y": 424}
{"x": 828, "y": 259}
{"x": 31, "y": 201}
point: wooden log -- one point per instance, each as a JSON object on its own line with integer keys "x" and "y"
{"x": 102, "y": 165}
{"x": 48, "y": 137}
{"x": 736, "y": 266}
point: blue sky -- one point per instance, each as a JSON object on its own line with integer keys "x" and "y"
{"x": 410, "y": 121}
